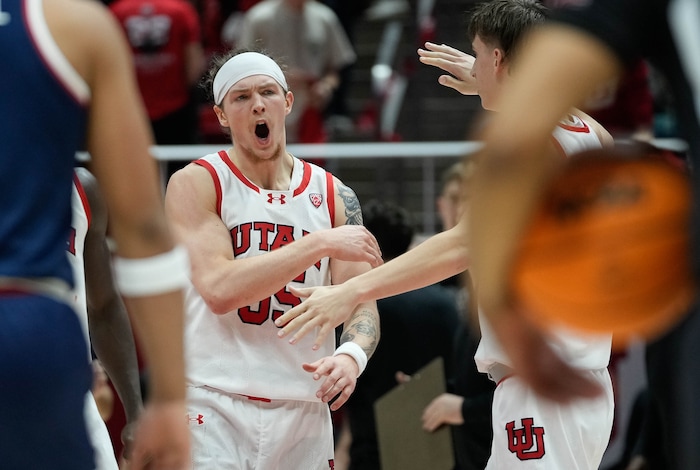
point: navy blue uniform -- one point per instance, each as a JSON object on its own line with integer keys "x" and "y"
{"x": 44, "y": 373}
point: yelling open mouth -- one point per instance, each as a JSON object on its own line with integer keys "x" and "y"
{"x": 262, "y": 131}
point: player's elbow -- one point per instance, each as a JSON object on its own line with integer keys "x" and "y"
{"x": 216, "y": 302}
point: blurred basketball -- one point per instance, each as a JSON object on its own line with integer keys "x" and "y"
{"x": 607, "y": 249}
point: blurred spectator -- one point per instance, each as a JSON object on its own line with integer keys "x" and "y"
{"x": 166, "y": 43}
{"x": 416, "y": 327}
{"x": 348, "y": 14}
{"x": 308, "y": 38}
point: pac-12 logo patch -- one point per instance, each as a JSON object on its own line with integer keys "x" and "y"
{"x": 316, "y": 199}
{"x": 527, "y": 443}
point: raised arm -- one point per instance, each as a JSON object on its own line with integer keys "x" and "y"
{"x": 456, "y": 63}
{"x": 110, "y": 328}
{"x": 191, "y": 206}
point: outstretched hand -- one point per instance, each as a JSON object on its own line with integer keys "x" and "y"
{"x": 453, "y": 61}
{"x": 340, "y": 374}
{"x": 325, "y": 308}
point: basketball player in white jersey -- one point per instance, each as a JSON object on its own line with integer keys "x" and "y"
{"x": 254, "y": 219}
{"x": 102, "y": 315}
{"x": 530, "y": 432}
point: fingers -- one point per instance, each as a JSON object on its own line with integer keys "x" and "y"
{"x": 443, "y": 49}
{"x": 338, "y": 384}
{"x": 430, "y": 421}
{"x": 340, "y": 389}
{"x": 302, "y": 329}
{"x": 401, "y": 377}
{"x": 455, "y": 84}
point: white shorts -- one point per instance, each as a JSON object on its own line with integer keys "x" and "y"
{"x": 530, "y": 432}
{"x": 235, "y": 432}
{"x": 99, "y": 436}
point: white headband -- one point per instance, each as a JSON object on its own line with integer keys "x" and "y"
{"x": 243, "y": 66}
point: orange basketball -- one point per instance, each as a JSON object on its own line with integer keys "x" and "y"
{"x": 607, "y": 249}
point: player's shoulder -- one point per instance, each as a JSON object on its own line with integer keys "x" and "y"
{"x": 605, "y": 138}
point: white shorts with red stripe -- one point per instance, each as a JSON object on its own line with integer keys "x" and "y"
{"x": 231, "y": 431}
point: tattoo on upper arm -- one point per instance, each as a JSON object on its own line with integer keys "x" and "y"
{"x": 353, "y": 211}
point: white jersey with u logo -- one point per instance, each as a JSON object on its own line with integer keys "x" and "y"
{"x": 239, "y": 352}
{"x": 530, "y": 432}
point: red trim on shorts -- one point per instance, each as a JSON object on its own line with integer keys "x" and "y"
{"x": 266, "y": 400}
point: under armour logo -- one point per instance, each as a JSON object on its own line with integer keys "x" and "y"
{"x": 527, "y": 443}
{"x": 271, "y": 197}
{"x": 199, "y": 419}
{"x": 316, "y": 199}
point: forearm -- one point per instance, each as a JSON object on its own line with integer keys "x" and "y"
{"x": 236, "y": 283}
{"x": 113, "y": 342}
{"x": 363, "y": 328}
{"x": 441, "y": 256}
{"x": 159, "y": 326}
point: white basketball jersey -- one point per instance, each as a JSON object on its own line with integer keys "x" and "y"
{"x": 240, "y": 352}
{"x": 582, "y": 351}
{"x": 80, "y": 223}
{"x": 76, "y": 242}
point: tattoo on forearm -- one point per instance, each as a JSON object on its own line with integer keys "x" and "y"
{"x": 364, "y": 323}
{"x": 353, "y": 211}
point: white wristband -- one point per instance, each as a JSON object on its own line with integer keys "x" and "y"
{"x": 356, "y": 352}
{"x": 166, "y": 272}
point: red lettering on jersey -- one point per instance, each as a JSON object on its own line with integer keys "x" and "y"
{"x": 264, "y": 228}
{"x": 70, "y": 243}
{"x": 247, "y": 315}
{"x": 284, "y": 236}
{"x": 527, "y": 443}
{"x": 331, "y": 464}
{"x": 240, "y": 237}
